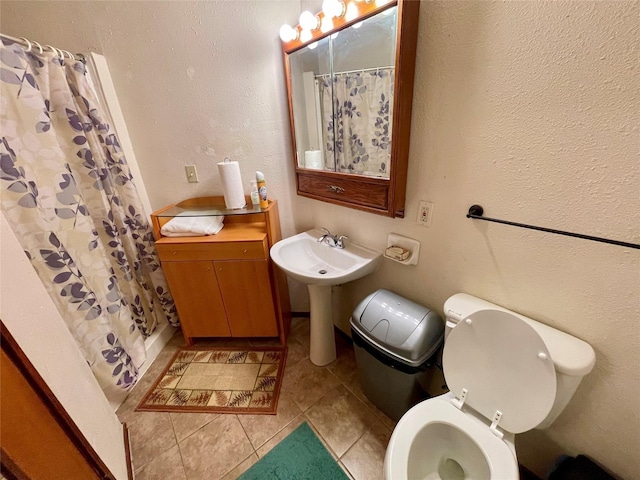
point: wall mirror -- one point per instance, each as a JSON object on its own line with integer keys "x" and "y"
{"x": 350, "y": 89}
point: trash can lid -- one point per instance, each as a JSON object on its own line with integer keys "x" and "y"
{"x": 406, "y": 330}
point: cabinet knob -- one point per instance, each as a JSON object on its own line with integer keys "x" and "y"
{"x": 245, "y": 251}
{"x": 173, "y": 253}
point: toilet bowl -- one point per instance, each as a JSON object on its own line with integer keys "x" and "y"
{"x": 503, "y": 380}
{"x": 435, "y": 440}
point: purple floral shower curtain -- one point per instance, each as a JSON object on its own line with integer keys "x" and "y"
{"x": 356, "y": 118}
{"x": 68, "y": 194}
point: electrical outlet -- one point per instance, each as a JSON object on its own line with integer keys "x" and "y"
{"x": 425, "y": 213}
{"x": 192, "y": 173}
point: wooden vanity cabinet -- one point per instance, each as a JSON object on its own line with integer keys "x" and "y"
{"x": 225, "y": 285}
{"x": 194, "y": 287}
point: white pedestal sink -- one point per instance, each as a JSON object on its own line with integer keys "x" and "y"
{"x": 321, "y": 266}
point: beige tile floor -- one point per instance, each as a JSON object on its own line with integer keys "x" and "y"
{"x": 196, "y": 446}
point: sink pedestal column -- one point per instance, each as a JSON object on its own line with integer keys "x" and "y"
{"x": 323, "y": 342}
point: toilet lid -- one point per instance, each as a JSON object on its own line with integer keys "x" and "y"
{"x": 504, "y": 365}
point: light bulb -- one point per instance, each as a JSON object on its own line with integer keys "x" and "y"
{"x": 313, "y": 45}
{"x": 333, "y": 8}
{"x": 334, "y": 35}
{"x": 328, "y": 8}
{"x": 305, "y": 36}
{"x": 326, "y": 25}
{"x": 352, "y": 12}
{"x": 288, "y": 33}
{"x": 357, "y": 25}
{"x": 308, "y": 21}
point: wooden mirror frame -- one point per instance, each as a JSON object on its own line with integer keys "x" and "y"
{"x": 371, "y": 194}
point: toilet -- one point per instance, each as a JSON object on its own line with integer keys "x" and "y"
{"x": 507, "y": 374}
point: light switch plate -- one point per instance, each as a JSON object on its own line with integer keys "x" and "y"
{"x": 192, "y": 173}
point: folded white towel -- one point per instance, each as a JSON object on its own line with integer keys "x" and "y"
{"x": 192, "y": 226}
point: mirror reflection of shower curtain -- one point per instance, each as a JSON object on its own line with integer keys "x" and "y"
{"x": 357, "y": 108}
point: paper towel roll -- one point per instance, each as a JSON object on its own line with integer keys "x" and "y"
{"x": 313, "y": 159}
{"x": 231, "y": 184}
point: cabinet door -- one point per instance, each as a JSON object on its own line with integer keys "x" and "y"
{"x": 246, "y": 289}
{"x": 195, "y": 291}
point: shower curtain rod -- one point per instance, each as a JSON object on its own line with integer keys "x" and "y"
{"x": 356, "y": 71}
{"x": 32, "y": 44}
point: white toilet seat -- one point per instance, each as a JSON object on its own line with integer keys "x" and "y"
{"x": 487, "y": 455}
{"x": 504, "y": 365}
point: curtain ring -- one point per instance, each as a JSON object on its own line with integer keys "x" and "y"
{"x": 28, "y": 43}
{"x": 70, "y": 54}
{"x": 38, "y": 45}
{"x": 57, "y": 51}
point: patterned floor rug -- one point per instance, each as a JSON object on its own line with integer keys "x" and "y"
{"x": 219, "y": 380}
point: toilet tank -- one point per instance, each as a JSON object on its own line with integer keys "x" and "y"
{"x": 573, "y": 358}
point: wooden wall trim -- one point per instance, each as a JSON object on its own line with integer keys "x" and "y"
{"x": 26, "y": 368}
{"x": 127, "y": 451}
{"x": 9, "y": 468}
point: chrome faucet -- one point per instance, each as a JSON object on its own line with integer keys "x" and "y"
{"x": 332, "y": 240}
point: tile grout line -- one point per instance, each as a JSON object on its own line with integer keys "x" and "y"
{"x": 323, "y": 440}
{"x": 381, "y": 419}
{"x": 184, "y": 469}
{"x": 254, "y": 452}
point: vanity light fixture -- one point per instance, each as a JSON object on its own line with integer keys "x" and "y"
{"x": 326, "y": 24}
{"x": 305, "y": 35}
{"x": 288, "y": 33}
{"x": 351, "y": 12}
{"x": 308, "y": 21}
{"x": 334, "y": 16}
{"x": 333, "y": 8}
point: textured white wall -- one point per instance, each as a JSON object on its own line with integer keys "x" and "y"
{"x": 197, "y": 82}
{"x": 532, "y": 110}
{"x": 529, "y": 108}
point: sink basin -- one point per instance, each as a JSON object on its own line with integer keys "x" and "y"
{"x": 304, "y": 258}
{"x": 320, "y": 266}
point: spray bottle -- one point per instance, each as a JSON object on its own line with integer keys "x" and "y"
{"x": 262, "y": 189}
{"x": 255, "y": 196}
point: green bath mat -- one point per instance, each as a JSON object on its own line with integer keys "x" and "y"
{"x": 300, "y": 456}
